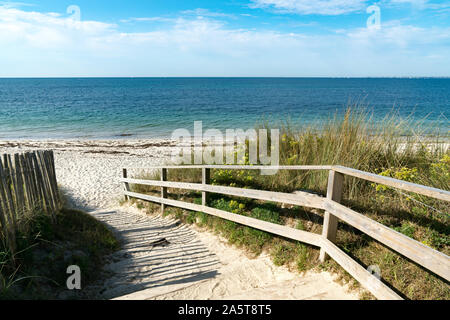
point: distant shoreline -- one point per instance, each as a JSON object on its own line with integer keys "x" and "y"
{"x": 127, "y": 144}
{"x": 137, "y": 138}
{"x": 223, "y": 77}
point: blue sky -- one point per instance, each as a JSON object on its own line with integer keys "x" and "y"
{"x": 285, "y": 38}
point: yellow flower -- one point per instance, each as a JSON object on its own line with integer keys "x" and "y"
{"x": 426, "y": 242}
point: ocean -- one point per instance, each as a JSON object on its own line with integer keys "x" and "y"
{"x": 111, "y": 108}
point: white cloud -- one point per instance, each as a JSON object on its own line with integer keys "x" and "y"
{"x": 207, "y": 13}
{"x": 401, "y": 36}
{"x": 322, "y": 7}
{"x": 45, "y": 30}
{"x": 337, "y": 7}
{"x": 147, "y": 19}
{"x": 40, "y": 44}
{"x": 419, "y": 3}
{"x": 12, "y": 4}
{"x": 199, "y": 13}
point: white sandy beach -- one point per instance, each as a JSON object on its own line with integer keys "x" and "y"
{"x": 194, "y": 264}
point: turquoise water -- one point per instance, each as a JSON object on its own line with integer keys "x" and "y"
{"x": 97, "y": 108}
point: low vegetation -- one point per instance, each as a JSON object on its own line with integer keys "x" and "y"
{"x": 355, "y": 141}
{"x": 46, "y": 247}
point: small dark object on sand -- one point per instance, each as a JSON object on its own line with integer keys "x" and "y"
{"x": 161, "y": 242}
{"x": 125, "y": 135}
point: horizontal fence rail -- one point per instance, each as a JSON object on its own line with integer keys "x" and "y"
{"x": 427, "y": 257}
{"x": 304, "y": 199}
{"x": 433, "y": 260}
{"x": 399, "y": 184}
{"x": 243, "y": 167}
{"x": 27, "y": 182}
{"x": 303, "y": 236}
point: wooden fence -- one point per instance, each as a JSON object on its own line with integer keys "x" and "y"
{"x": 433, "y": 260}
{"x": 27, "y": 183}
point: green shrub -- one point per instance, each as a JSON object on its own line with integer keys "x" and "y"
{"x": 266, "y": 215}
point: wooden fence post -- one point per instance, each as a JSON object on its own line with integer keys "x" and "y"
{"x": 20, "y": 198}
{"x": 330, "y": 222}
{"x": 4, "y": 217}
{"x": 206, "y": 179}
{"x": 12, "y": 184}
{"x": 6, "y": 172}
{"x": 51, "y": 162}
{"x": 126, "y": 184}
{"x": 46, "y": 182}
{"x": 33, "y": 179}
{"x": 41, "y": 184}
{"x": 27, "y": 182}
{"x": 163, "y": 189}
{"x": 8, "y": 215}
{"x": 46, "y": 155}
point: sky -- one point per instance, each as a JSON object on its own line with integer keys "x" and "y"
{"x": 230, "y": 38}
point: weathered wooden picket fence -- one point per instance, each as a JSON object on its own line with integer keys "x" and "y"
{"x": 27, "y": 183}
{"x": 433, "y": 260}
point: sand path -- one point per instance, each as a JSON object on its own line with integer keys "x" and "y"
{"x": 192, "y": 264}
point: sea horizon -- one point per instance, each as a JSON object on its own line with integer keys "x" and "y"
{"x": 228, "y": 77}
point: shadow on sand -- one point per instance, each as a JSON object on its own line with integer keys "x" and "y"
{"x": 141, "y": 264}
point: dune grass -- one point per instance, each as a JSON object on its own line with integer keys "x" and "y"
{"x": 357, "y": 141}
{"x": 46, "y": 247}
